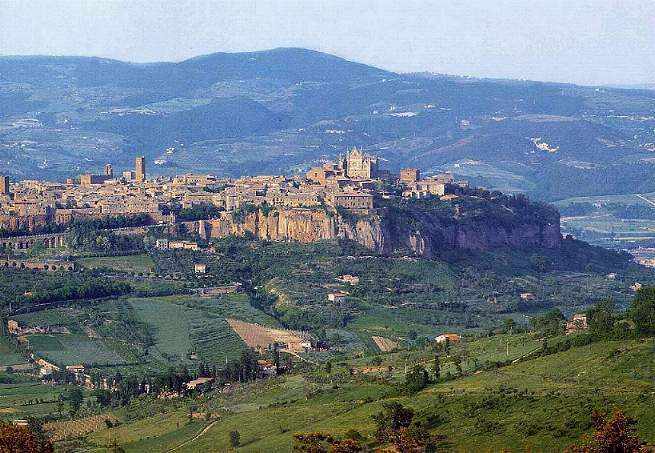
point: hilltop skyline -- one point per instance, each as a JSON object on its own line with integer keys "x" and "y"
{"x": 589, "y": 43}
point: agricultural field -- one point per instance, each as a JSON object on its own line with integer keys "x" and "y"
{"x": 184, "y": 327}
{"x": 133, "y": 264}
{"x": 25, "y": 398}
{"x": 9, "y": 356}
{"x": 384, "y": 344}
{"x": 67, "y": 350}
{"x": 142, "y": 333}
{"x": 259, "y": 337}
{"x": 77, "y": 428}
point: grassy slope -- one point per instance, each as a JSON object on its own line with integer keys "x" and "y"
{"x": 543, "y": 404}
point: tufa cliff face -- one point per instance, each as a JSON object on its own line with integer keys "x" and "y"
{"x": 424, "y": 234}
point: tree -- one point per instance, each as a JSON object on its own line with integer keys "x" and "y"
{"x": 392, "y": 418}
{"x": 114, "y": 447}
{"x": 235, "y": 439}
{"x": 316, "y": 442}
{"x": 436, "y": 368}
{"x": 540, "y": 263}
{"x": 549, "y": 324}
{"x": 509, "y": 325}
{"x": 345, "y": 446}
{"x": 457, "y": 360}
{"x": 642, "y": 311}
{"x": 75, "y": 399}
{"x": 396, "y": 425}
{"x": 21, "y": 439}
{"x": 601, "y": 319}
{"x": 416, "y": 379}
{"x": 616, "y": 435}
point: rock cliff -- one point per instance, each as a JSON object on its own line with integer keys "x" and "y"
{"x": 423, "y": 233}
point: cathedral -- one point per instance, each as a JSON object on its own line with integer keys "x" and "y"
{"x": 358, "y": 165}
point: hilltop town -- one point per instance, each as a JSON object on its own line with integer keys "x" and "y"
{"x": 353, "y": 183}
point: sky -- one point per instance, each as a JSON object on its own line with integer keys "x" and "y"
{"x": 589, "y": 42}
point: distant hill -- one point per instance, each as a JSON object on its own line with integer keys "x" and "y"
{"x": 283, "y": 110}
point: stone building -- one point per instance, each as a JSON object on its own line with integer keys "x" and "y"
{"x": 354, "y": 165}
{"x": 410, "y": 175}
{"x": 351, "y": 200}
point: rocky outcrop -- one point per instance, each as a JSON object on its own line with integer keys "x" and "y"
{"x": 425, "y": 235}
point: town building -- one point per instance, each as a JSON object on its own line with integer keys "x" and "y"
{"x": 410, "y": 175}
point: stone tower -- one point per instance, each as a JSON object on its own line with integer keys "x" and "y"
{"x": 140, "y": 169}
{"x": 4, "y": 185}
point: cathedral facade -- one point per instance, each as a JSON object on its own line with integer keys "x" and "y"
{"x": 358, "y": 165}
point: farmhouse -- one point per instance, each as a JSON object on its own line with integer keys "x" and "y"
{"x": 350, "y": 279}
{"x": 185, "y": 245}
{"x": 267, "y": 367}
{"x": 577, "y": 323}
{"x": 201, "y": 384}
{"x": 46, "y": 367}
{"x": 448, "y": 337}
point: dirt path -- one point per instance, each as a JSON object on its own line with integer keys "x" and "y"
{"x": 286, "y": 351}
{"x": 194, "y": 438}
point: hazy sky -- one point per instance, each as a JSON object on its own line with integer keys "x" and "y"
{"x": 582, "y": 41}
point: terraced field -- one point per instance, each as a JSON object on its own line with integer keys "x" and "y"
{"x": 182, "y": 326}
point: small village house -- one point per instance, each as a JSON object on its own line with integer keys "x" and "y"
{"x": 337, "y": 297}
{"x": 200, "y": 384}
